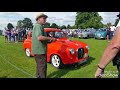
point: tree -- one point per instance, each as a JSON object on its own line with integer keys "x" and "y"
{"x": 88, "y": 20}
{"x": 109, "y": 24}
{"x": 27, "y": 23}
{"x": 59, "y": 27}
{"x": 116, "y": 22}
{"x": 54, "y": 25}
{"x": 10, "y": 26}
{"x": 68, "y": 26}
{"x": 47, "y": 25}
{"x": 20, "y": 24}
{"x": 74, "y": 27}
{"x": 63, "y": 27}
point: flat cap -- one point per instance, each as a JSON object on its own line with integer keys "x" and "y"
{"x": 41, "y": 15}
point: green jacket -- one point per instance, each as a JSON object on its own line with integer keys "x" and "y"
{"x": 38, "y": 47}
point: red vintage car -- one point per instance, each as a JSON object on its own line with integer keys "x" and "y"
{"x": 61, "y": 52}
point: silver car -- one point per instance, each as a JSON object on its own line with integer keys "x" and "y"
{"x": 86, "y": 34}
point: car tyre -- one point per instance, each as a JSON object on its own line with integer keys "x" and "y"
{"x": 56, "y": 61}
{"x": 27, "y": 51}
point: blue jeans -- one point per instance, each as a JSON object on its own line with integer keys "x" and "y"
{"x": 111, "y": 34}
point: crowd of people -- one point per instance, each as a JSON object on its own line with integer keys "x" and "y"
{"x": 15, "y": 35}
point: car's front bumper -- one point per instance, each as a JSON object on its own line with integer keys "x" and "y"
{"x": 83, "y": 61}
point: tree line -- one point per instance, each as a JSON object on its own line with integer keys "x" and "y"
{"x": 83, "y": 20}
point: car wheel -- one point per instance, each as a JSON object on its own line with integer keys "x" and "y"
{"x": 27, "y": 51}
{"x": 56, "y": 61}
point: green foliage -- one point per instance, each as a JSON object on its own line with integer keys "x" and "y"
{"x": 63, "y": 27}
{"x": 68, "y": 26}
{"x": 20, "y": 24}
{"x": 47, "y": 25}
{"x": 88, "y": 20}
{"x": 10, "y": 26}
{"x": 54, "y": 25}
{"x": 116, "y": 22}
{"x": 27, "y": 23}
{"x": 109, "y": 24}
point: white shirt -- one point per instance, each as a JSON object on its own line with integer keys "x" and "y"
{"x": 112, "y": 28}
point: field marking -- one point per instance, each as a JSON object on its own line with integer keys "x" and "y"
{"x": 17, "y": 67}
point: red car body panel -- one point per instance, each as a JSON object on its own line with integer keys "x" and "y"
{"x": 61, "y": 47}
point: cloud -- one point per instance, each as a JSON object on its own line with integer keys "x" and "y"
{"x": 109, "y": 17}
{"x": 9, "y": 17}
{"x": 60, "y": 18}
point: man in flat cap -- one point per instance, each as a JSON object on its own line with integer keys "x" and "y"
{"x": 39, "y": 45}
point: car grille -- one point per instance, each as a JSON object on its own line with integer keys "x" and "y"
{"x": 80, "y": 53}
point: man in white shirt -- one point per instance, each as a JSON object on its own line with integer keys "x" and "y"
{"x": 112, "y": 29}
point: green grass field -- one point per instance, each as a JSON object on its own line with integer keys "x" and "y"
{"x": 15, "y": 64}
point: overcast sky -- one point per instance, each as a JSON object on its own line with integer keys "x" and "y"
{"x": 60, "y": 18}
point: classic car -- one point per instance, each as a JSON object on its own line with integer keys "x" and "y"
{"x": 86, "y": 33}
{"x": 61, "y": 52}
{"x": 101, "y": 34}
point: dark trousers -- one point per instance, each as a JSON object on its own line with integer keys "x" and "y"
{"x": 41, "y": 65}
{"x": 118, "y": 68}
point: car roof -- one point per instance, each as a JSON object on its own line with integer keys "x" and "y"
{"x": 52, "y": 29}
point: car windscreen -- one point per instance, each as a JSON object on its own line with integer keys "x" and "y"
{"x": 59, "y": 34}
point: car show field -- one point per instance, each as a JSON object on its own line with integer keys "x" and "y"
{"x": 15, "y": 64}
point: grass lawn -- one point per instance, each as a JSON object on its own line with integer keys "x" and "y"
{"x": 15, "y": 64}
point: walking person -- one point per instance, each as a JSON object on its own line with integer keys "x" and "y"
{"x": 39, "y": 45}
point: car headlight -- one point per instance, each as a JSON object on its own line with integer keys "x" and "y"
{"x": 72, "y": 51}
{"x": 87, "y": 47}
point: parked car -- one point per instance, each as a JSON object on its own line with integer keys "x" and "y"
{"x": 101, "y": 33}
{"x": 86, "y": 34}
{"x": 61, "y": 52}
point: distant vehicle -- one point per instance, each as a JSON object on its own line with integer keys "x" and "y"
{"x": 86, "y": 34}
{"x": 101, "y": 33}
{"x": 63, "y": 51}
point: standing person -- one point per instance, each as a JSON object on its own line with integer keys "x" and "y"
{"x": 112, "y": 31}
{"x": 39, "y": 45}
{"x": 6, "y": 35}
{"x": 108, "y": 34}
{"x": 16, "y": 36}
{"x": 12, "y": 36}
{"x": 24, "y": 34}
{"x": 9, "y": 35}
{"x": 110, "y": 54}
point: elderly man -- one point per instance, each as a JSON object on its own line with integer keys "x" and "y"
{"x": 110, "y": 52}
{"x": 39, "y": 45}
